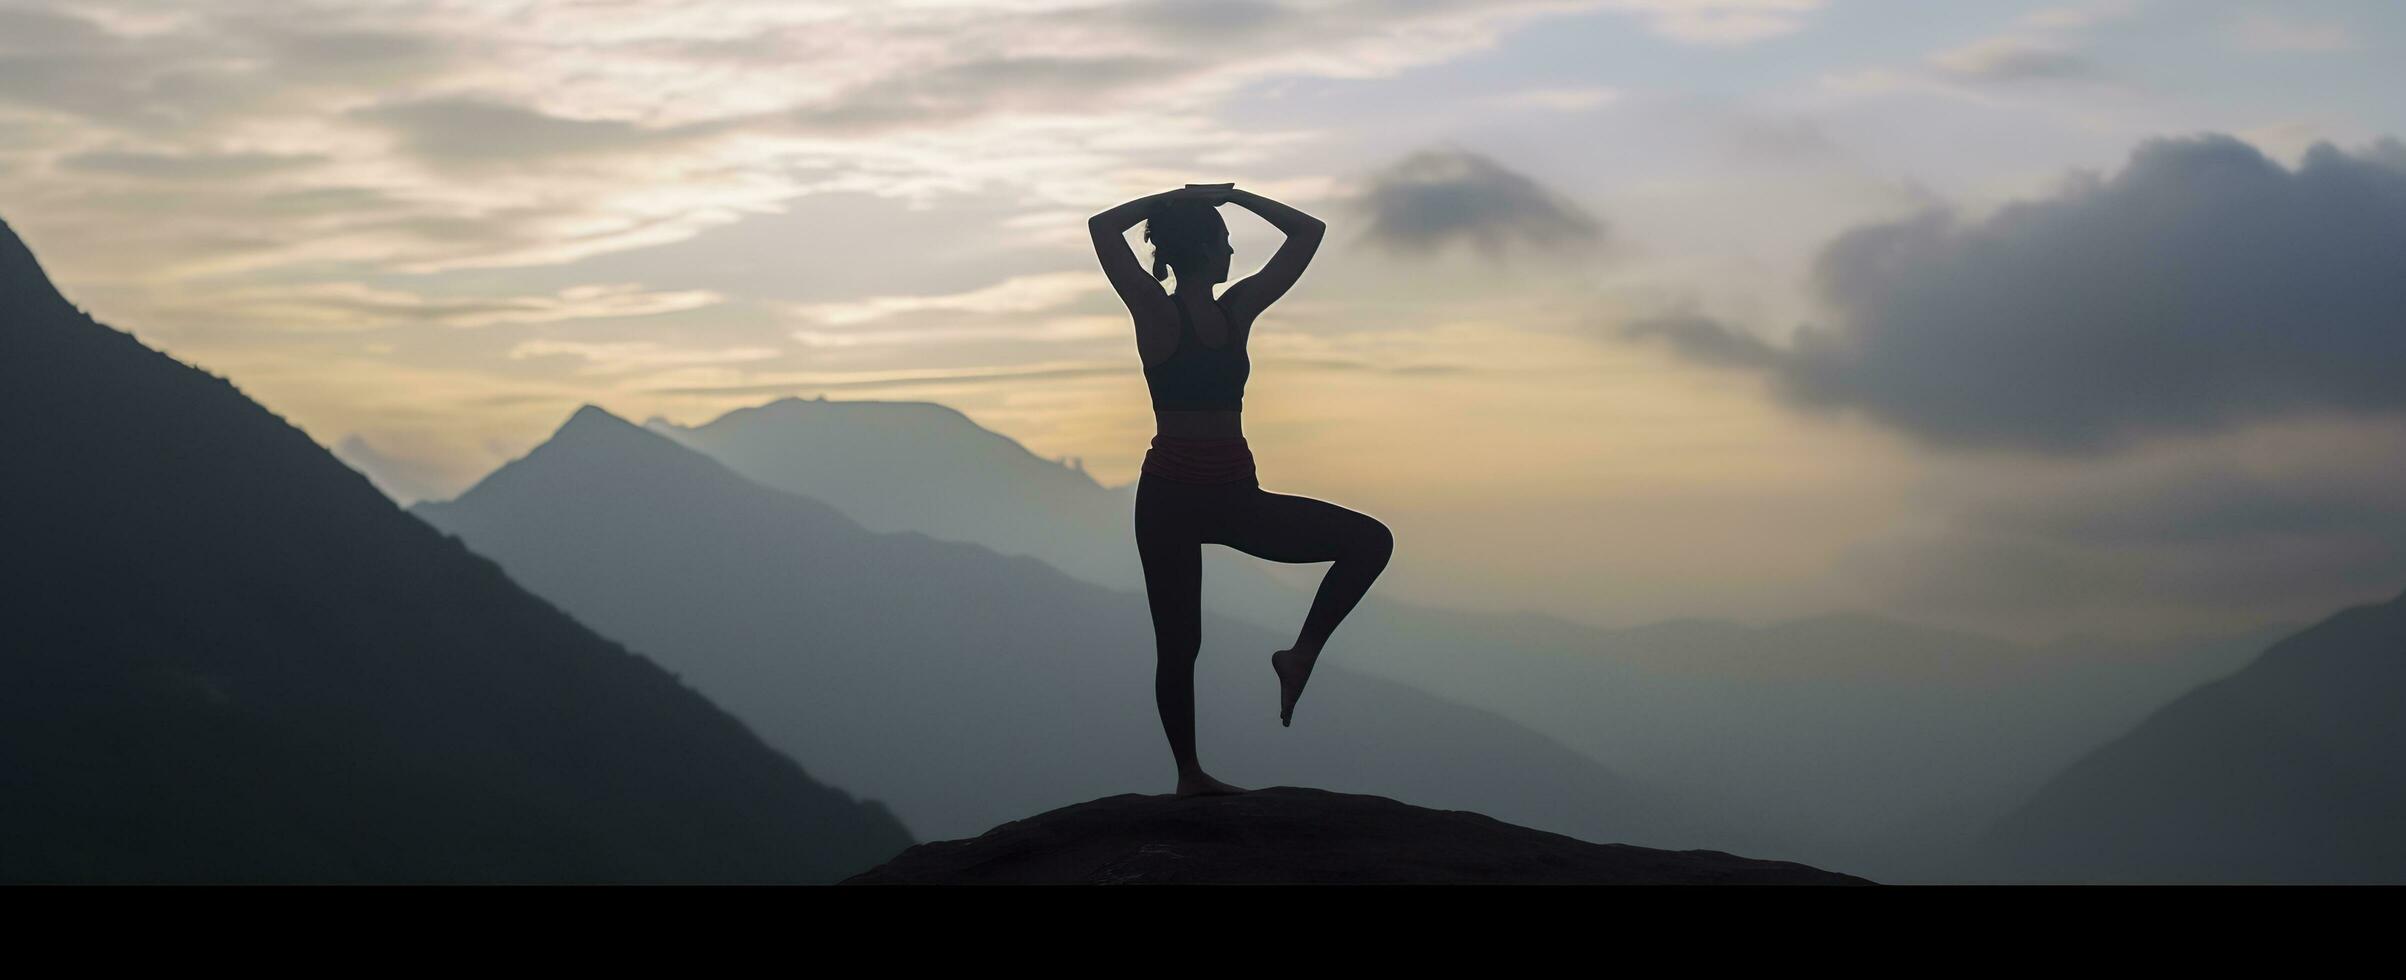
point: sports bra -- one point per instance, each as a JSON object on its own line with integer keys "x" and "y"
{"x": 1197, "y": 377}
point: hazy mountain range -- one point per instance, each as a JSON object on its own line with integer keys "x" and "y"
{"x": 1849, "y": 741}
{"x": 229, "y": 658}
{"x": 1842, "y": 741}
{"x": 964, "y": 687}
{"x": 924, "y": 467}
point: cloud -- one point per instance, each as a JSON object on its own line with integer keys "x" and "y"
{"x": 2274, "y": 33}
{"x": 989, "y": 86}
{"x": 1226, "y": 20}
{"x": 2042, "y": 46}
{"x": 1436, "y": 198}
{"x": 626, "y": 357}
{"x": 2202, "y": 288}
{"x": 186, "y": 166}
{"x": 2289, "y": 522}
{"x": 347, "y": 306}
{"x": 24, "y": 31}
{"x": 2080, "y": 15}
{"x": 1707, "y": 341}
{"x": 905, "y": 379}
{"x": 1047, "y": 330}
{"x": 1560, "y": 99}
{"x": 478, "y": 133}
{"x": 1017, "y": 294}
{"x": 356, "y": 56}
{"x": 1721, "y": 22}
{"x": 510, "y": 135}
{"x": 2008, "y": 58}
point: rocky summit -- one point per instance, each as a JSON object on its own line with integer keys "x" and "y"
{"x": 1304, "y": 836}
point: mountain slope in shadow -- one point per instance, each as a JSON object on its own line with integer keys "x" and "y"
{"x": 227, "y": 657}
{"x": 2291, "y": 770}
{"x": 963, "y": 687}
{"x": 1290, "y": 835}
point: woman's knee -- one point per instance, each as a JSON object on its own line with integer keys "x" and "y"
{"x": 1374, "y": 541}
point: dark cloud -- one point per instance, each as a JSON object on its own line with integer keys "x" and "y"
{"x": 1440, "y": 197}
{"x": 2202, "y": 288}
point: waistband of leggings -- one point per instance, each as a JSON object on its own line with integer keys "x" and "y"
{"x": 1199, "y": 461}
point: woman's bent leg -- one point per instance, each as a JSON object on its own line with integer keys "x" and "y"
{"x": 1288, "y": 528}
{"x": 1294, "y": 529}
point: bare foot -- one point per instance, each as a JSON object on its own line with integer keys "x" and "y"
{"x": 1294, "y": 667}
{"x": 1200, "y": 784}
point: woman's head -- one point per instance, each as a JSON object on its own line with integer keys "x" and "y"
{"x": 1191, "y": 237}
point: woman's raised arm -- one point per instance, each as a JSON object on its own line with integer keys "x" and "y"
{"x": 1248, "y": 298}
{"x": 1110, "y": 232}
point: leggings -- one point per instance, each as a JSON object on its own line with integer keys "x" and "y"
{"x": 1174, "y": 520}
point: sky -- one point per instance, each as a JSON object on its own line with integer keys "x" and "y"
{"x": 2030, "y": 318}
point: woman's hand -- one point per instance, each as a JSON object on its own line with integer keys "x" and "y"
{"x": 1217, "y": 194}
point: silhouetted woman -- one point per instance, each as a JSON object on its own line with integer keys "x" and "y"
{"x": 1198, "y": 485}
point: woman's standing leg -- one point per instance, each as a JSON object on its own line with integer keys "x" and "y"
{"x": 1294, "y": 529}
{"x": 1169, "y": 542}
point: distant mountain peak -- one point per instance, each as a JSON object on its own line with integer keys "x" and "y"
{"x": 593, "y": 427}
{"x": 590, "y": 414}
{"x": 594, "y": 447}
{"x": 919, "y": 447}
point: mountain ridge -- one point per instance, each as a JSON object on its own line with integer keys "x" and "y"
{"x": 2292, "y": 769}
{"x": 1839, "y": 734}
{"x": 937, "y": 675}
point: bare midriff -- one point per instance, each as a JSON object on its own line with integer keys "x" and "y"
{"x": 1215, "y": 424}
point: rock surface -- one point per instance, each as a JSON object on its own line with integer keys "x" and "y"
{"x": 1289, "y": 834}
